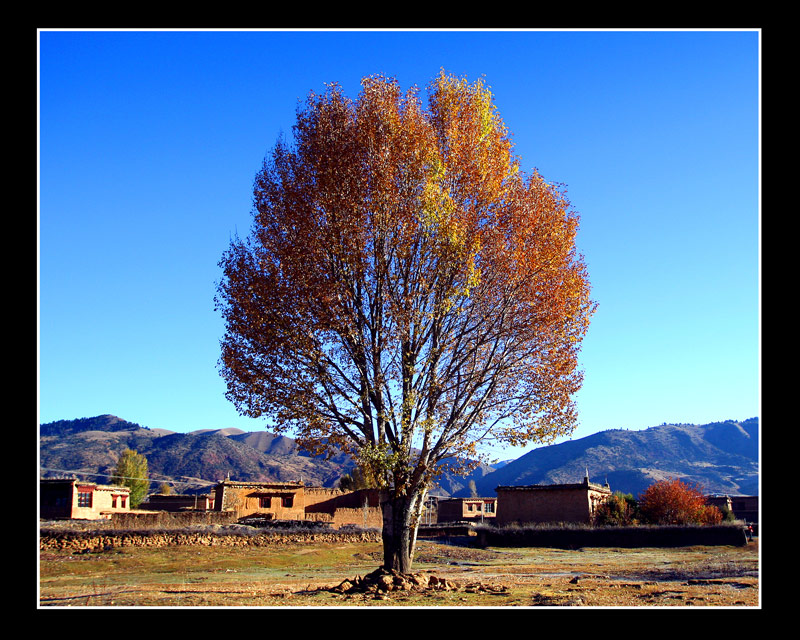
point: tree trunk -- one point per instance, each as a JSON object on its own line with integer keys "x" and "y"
{"x": 400, "y": 521}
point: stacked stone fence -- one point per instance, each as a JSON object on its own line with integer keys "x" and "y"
{"x": 85, "y": 541}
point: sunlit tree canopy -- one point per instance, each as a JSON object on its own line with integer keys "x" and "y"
{"x": 406, "y": 292}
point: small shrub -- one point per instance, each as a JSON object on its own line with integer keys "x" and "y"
{"x": 709, "y": 514}
{"x": 618, "y": 510}
{"x": 727, "y": 514}
{"x": 673, "y": 502}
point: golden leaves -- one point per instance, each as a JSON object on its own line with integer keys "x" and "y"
{"x": 404, "y": 279}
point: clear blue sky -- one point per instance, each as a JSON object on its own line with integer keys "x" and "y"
{"x": 150, "y": 140}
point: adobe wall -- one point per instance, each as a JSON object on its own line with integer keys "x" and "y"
{"x": 556, "y": 503}
{"x": 324, "y": 500}
{"x": 158, "y": 502}
{"x": 361, "y": 508}
{"x": 169, "y": 519}
{"x": 369, "y": 517}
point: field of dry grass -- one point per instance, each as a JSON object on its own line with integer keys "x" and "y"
{"x": 303, "y": 575}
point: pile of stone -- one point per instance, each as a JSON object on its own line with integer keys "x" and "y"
{"x": 382, "y": 581}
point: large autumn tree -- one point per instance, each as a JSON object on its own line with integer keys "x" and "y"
{"x": 406, "y": 292}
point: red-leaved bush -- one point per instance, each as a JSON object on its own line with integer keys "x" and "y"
{"x": 675, "y": 502}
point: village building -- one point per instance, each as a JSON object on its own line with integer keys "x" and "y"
{"x": 294, "y": 501}
{"x": 743, "y": 507}
{"x": 466, "y": 509}
{"x": 277, "y": 500}
{"x": 541, "y": 503}
{"x": 79, "y": 500}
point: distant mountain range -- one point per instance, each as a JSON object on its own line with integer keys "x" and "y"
{"x": 93, "y": 445}
{"x": 722, "y": 457}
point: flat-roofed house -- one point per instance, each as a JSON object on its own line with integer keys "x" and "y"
{"x": 743, "y": 507}
{"x": 294, "y": 501}
{"x": 466, "y": 509}
{"x": 80, "y": 500}
{"x": 542, "y": 503}
{"x": 278, "y": 500}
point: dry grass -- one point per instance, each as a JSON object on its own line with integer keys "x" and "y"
{"x": 303, "y": 576}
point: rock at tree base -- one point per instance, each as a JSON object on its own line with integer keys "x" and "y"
{"x": 384, "y": 580}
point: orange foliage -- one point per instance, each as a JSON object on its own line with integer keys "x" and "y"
{"x": 405, "y": 284}
{"x": 675, "y": 502}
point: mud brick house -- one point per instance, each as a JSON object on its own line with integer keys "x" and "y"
{"x": 279, "y": 500}
{"x": 79, "y": 500}
{"x": 721, "y": 502}
{"x": 743, "y": 507}
{"x": 466, "y": 509}
{"x": 294, "y": 501}
{"x": 542, "y": 503}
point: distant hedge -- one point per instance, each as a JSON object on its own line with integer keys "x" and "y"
{"x": 628, "y": 537}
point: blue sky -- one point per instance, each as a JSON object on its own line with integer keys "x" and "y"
{"x": 150, "y": 140}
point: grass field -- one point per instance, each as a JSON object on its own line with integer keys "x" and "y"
{"x": 303, "y": 575}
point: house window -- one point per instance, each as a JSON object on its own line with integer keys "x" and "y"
{"x": 489, "y": 507}
{"x": 287, "y": 501}
{"x": 122, "y": 501}
{"x": 84, "y": 498}
{"x": 113, "y": 502}
{"x": 265, "y": 502}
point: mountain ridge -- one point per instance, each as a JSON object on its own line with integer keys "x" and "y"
{"x": 721, "y": 456}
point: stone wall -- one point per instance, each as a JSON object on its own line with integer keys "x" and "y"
{"x": 98, "y": 541}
